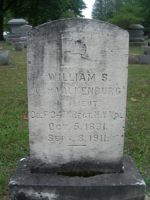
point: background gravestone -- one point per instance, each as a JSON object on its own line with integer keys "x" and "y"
{"x": 77, "y": 96}
{"x": 4, "y": 57}
{"x": 136, "y": 32}
{"x": 24, "y": 30}
{"x": 15, "y": 24}
{"x": 19, "y": 46}
{"x": 14, "y": 27}
{"x": 19, "y": 30}
{"x": 77, "y": 85}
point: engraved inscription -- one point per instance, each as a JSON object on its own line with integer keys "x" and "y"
{"x": 78, "y": 140}
{"x": 112, "y": 115}
{"x": 85, "y": 91}
{"x": 75, "y": 93}
{"x": 75, "y": 77}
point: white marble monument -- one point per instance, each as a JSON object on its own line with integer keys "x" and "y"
{"x": 77, "y": 88}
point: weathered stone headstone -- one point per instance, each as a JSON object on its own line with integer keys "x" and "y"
{"x": 139, "y": 59}
{"x": 136, "y": 32}
{"x": 15, "y": 24}
{"x": 77, "y": 86}
{"x": 144, "y": 59}
{"x": 4, "y": 57}
{"x": 19, "y": 46}
{"x": 18, "y": 28}
{"x": 77, "y": 95}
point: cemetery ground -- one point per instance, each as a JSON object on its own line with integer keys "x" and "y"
{"x": 14, "y": 119}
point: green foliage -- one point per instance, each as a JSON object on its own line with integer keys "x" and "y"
{"x": 105, "y": 9}
{"x": 137, "y": 138}
{"x": 68, "y": 14}
{"x": 128, "y": 14}
{"x": 145, "y": 4}
{"x": 7, "y": 17}
{"x": 137, "y": 50}
{"x": 123, "y": 12}
{"x": 13, "y": 117}
{"x": 4, "y": 7}
{"x": 76, "y": 6}
{"x": 40, "y": 11}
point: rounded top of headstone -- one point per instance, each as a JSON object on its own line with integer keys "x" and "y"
{"x": 61, "y": 24}
{"x": 17, "y": 21}
{"x": 136, "y": 26}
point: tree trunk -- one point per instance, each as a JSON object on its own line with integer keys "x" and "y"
{"x": 1, "y": 27}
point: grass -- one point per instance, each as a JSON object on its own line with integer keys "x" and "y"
{"x": 136, "y": 50}
{"x": 14, "y": 124}
{"x": 138, "y": 118}
{"x": 13, "y": 108}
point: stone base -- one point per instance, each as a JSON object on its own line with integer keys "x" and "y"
{"x": 139, "y": 59}
{"x": 25, "y": 185}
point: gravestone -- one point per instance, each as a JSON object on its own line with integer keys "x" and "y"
{"x": 25, "y": 29}
{"x": 76, "y": 73}
{"x": 136, "y": 32}
{"x": 18, "y": 28}
{"x": 77, "y": 86}
{"x": 15, "y": 24}
{"x": 139, "y": 59}
{"x": 19, "y": 46}
{"x": 4, "y": 57}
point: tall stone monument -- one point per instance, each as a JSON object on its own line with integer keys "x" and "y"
{"x": 18, "y": 35}
{"x": 136, "y": 33}
{"x": 77, "y": 88}
{"x": 14, "y": 26}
